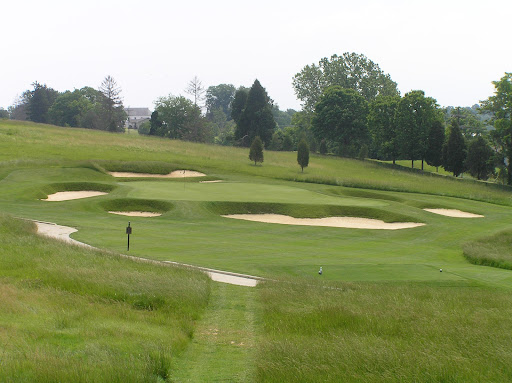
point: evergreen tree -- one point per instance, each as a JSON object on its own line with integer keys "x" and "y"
{"x": 303, "y": 154}
{"x": 256, "y": 150}
{"x": 256, "y": 118}
{"x": 238, "y": 104}
{"x": 113, "y": 114}
{"x": 323, "y": 147}
{"x": 39, "y": 101}
{"x": 454, "y": 150}
{"x": 156, "y": 125}
{"x": 480, "y": 158}
{"x": 434, "y": 155}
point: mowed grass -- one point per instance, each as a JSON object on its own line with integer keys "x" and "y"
{"x": 70, "y": 314}
{"x": 384, "y": 333}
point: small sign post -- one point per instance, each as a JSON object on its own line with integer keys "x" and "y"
{"x": 128, "y": 232}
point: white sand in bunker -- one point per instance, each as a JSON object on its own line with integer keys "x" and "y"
{"x": 210, "y": 182}
{"x": 174, "y": 174}
{"x": 454, "y": 213}
{"x": 344, "y": 222}
{"x": 146, "y": 214}
{"x": 69, "y": 195}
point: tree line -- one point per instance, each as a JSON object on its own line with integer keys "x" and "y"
{"x": 85, "y": 108}
{"x": 354, "y": 109}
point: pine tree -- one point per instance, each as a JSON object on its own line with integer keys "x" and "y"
{"x": 256, "y": 150}
{"x": 480, "y": 158}
{"x": 303, "y": 154}
{"x": 434, "y": 154}
{"x": 256, "y": 118}
{"x": 323, "y": 147}
{"x": 454, "y": 150}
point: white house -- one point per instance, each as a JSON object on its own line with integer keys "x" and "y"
{"x": 136, "y": 116}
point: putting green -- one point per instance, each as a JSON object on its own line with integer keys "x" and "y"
{"x": 239, "y": 192}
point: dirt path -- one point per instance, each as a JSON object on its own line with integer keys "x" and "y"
{"x": 62, "y": 233}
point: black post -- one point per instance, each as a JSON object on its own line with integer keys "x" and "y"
{"x": 128, "y": 232}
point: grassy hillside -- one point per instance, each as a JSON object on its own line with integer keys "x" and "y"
{"x": 381, "y": 311}
{"x": 70, "y": 314}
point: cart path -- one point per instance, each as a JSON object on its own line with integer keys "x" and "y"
{"x": 62, "y": 233}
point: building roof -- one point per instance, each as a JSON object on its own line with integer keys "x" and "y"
{"x": 138, "y": 112}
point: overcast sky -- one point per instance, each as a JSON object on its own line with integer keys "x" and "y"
{"x": 451, "y": 49}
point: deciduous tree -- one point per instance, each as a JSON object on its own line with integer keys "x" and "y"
{"x": 340, "y": 117}
{"x": 219, "y": 97}
{"x": 415, "y": 115}
{"x": 350, "y": 70}
{"x": 382, "y": 127}
{"x": 196, "y": 89}
{"x": 501, "y": 106}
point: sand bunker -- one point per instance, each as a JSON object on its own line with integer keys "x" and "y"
{"x": 454, "y": 213}
{"x": 174, "y": 174}
{"x": 69, "y": 195}
{"x": 136, "y": 213}
{"x": 210, "y": 182}
{"x": 345, "y": 222}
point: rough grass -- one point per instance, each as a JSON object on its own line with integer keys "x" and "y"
{"x": 70, "y": 314}
{"x": 306, "y": 211}
{"x": 495, "y": 251}
{"x": 384, "y": 333}
{"x": 135, "y": 204}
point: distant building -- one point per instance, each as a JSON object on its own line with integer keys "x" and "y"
{"x": 136, "y": 116}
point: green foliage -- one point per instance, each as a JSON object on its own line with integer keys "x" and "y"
{"x": 454, "y": 150}
{"x": 350, "y": 71}
{"x": 494, "y": 251}
{"x": 179, "y": 118}
{"x": 382, "y": 127}
{"x": 282, "y": 118}
{"x": 256, "y": 150}
{"x": 363, "y": 152}
{"x": 39, "y": 100}
{"x": 480, "y": 159}
{"x": 415, "y": 115}
{"x": 434, "y": 154}
{"x": 219, "y": 97}
{"x": 501, "y": 105}
{"x": 112, "y": 112}
{"x": 256, "y": 118}
{"x": 323, "y": 147}
{"x": 340, "y": 116}
{"x": 238, "y": 104}
{"x": 70, "y": 108}
{"x": 303, "y": 154}
{"x": 471, "y": 123}
{"x": 144, "y": 128}
{"x": 4, "y": 113}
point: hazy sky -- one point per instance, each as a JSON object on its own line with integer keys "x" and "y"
{"x": 451, "y": 49}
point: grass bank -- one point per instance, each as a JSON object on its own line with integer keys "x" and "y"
{"x": 70, "y": 314}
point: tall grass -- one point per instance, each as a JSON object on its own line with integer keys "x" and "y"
{"x": 70, "y": 314}
{"x": 384, "y": 333}
{"x": 495, "y": 251}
